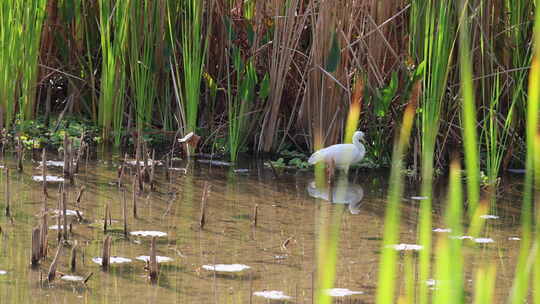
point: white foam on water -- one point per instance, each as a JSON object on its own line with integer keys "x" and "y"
{"x": 148, "y": 233}
{"x": 272, "y": 295}
{"x": 489, "y": 216}
{"x": 342, "y": 292}
{"x": 419, "y": 198}
{"x": 72, "y": 278}
{"x": 141, "y": 162}
{"x": 68, "y": 212}
{"x": 462, "y": 237}
{"x": 55, "y": 227}
{"x": 226, "y": 267}
{"x": 442, "y": 230}
{"x": 113, "y": 260}
{"x": 159, "y": 259}
{"x": 514, "y": 238}
{"x": 406, "y": 247}
{"x": 49, "y": 178}
{"x": 3, "y": 272}
{"x": 484, "y": 240}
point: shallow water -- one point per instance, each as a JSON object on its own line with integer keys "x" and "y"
{"x": 279, "y": 251}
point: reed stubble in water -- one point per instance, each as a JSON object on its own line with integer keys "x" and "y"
{"x": 44, "y": 172}
{"x": 204, "y": 198}
{"x": 254, "y": 218}
{"x": 73, "y": 260}
{"x": 20, "y": 155}
{"x": 124, "y": 213}
{"x": 152, "y": 264}
{"x": 134, "y": 192}
{"x": 106, "y": 253}
{"x": 52, "y": 269}
{"x": 36, "y": 252}
{"x": 8, "y": 211}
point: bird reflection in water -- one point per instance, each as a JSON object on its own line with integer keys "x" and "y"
{"x": 343, "y": 192}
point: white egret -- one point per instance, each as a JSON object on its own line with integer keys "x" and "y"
{"x": 342, "y": 155}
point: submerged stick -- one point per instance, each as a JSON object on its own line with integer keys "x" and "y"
{"x": 20, "y": 152}
{"x": 52, "y": 268}
{"x": 44, "y": 172}
{"x": 8, "y": 211}
{"x": 66, "y": 156}
{"x": 44, "y": 230}
{"x": 124, "y": 213}
{"x": 87, "y": 278}
{"x": 134, "y": 198}
{"x": 36, "y": 242}
{"x": 202, "y": 219}
{"x": 121, "y": 170}
{"x": 79, "y": 196}
{"x": 153, "y": 265}
{"x": 105, "y": 218}
{"x": 79, "y": 153}
{"x": 106, "y": 254}
{"x": 73, "y": 262}
{"x": 255, "y": 214}
{"x": 64, "y": 214}
{"x": 152, "y": 170}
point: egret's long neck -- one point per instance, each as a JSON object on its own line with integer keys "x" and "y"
{"x": 358, "y": 144}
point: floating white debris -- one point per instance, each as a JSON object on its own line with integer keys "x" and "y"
{"x": 160, "y": 259}
{"x": 113, "y": 260}
{"x": 431, "y": 282}
{"x": 442, "y": 230}
{"x": 141, "y": 162}
{"x": 241, "y": 170}
{"x": 226, "y": 267}
{"x": 215, "y": 162}
{"x": 3, "y": 272}
{"x": 55, "y": 227}
{"x": 53, "y": 163}
{"x": 514, "y": 238}
{"x": 49, "y": 178}
{"x": 419, "y": 198}
{"x": 483, "y": 240}
{"x": 404, "y": 247}
{"x": 148, "y": 233}
{"x": 72, "y": 278}
{"x": 178, "y": 169}
{"x": 68, "y": 212}
{"x": 489, "y": 217}
{"x": 462, "y": 237}
{"x": 272, "y": 295}
{"x": 281, "y": 257}
{"x": 342, "y": 292}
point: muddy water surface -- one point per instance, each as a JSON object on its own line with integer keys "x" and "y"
{"x": 280, "y": 251}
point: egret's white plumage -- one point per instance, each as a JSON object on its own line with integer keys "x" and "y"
{"x": 343, "y": 155}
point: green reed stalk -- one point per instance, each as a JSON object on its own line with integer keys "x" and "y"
{"x": 521, "y": 281}
{"x": 240, "y": 104}
{"x": 468, "y": 112}
{"x": 20, "y": 36}
{"x": 388, "y": 261}
{"x": 113, "y": 22}
{"x": 484, "y": 284}
{"x": 143, "y": 34}
{"x": 437, "y": 41}
{"x": 453, "y": 218}
{"x": 496, "y": 139}
{"x": 194, "y": 47}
